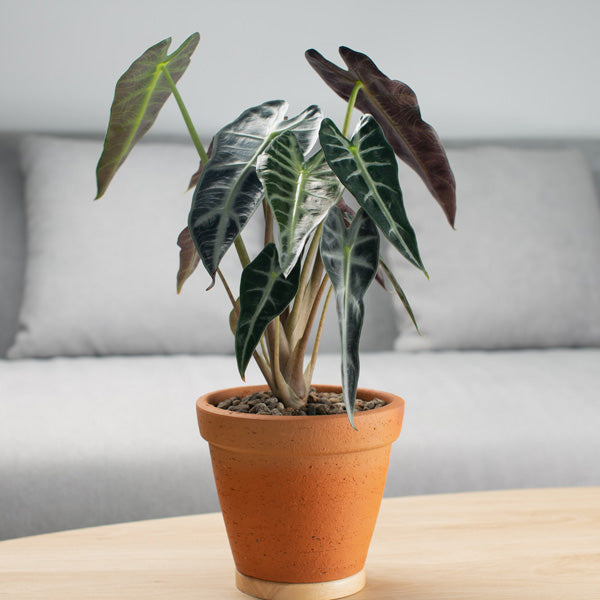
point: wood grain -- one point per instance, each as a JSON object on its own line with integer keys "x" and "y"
{"x": 542, "y": 544}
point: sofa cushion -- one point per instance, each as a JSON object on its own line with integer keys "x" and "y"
{"x": 521, "y": 269}
{"x": 12, "y": 240}
{"x": 100, "y": 276}
{"x": 124, "y": 444}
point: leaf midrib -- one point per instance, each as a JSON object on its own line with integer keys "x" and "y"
{"x": 137, "y": 123}
{"x": 272, "y": 276}
{"x": 233, "y": 191}
{"x": 384, "y": 209}
{"x": 391, "y": 123}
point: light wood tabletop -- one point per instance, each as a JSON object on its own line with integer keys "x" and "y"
{"x": 518, "y": 545}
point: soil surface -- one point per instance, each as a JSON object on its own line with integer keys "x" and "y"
{"x": 319, "y": 403}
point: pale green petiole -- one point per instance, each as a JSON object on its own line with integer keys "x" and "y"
{"x": 185, "y": 115}
{"x": 351, "y": 102}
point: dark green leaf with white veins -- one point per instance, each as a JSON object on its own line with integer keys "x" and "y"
{"x": 139, "y": 95}
{"x": 300, "y": 193}
{"x": 229, "y": 190}
{"x": 367, "y": 167}
{"x": 350, "y": 256}
{"x": 264, "y": 294}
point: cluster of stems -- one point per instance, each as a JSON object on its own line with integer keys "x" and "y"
{"x": 280, "y": 354}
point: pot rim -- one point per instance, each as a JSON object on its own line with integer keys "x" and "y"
{"x": 374, "y": 428}
{"x": 391, "y": 402}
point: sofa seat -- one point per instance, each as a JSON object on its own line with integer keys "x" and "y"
{"x": 89, "y": 441}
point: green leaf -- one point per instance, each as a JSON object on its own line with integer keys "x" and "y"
{"x": 350, "y": 256}
{"x": 367, "y": 167}
{"x": 139, "y": 95}
{"x": 348, "y": 213}
{"x": 299, "y": 192}
{"x": 399, "y": 292}
{"x": 229, "y": 190}
{"x": 395, "y": 107}
{"x": 264, "y": 294}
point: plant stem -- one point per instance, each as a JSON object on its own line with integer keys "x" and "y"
{"x": 226, "y": 286}
{"x": 276, "y": 367}
{"x": 299, "y": 349}
{"x": 282, "y": 390}
{"x": 299, "y": 304}
{"x": 308, "y": 373}
{"x": 240, "y": 247}
{"x": 265, "y": 353}
{"x": 239, "y": 244}
{"x": 268, "y": 214}
{"x": 185, "y": 115}
{"x": 262, "y": 363}
{"x": 241, "y": 251}
{"x": 351, "y": 102}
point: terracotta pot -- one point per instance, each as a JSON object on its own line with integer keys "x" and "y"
{"x": 300, "y": 495}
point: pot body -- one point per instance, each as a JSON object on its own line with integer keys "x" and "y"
{"x": 299, "y": 495}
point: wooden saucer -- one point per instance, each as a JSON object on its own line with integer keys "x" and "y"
{"x": 323, "y": 590}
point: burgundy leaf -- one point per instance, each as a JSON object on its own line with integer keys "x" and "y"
{"x": 394, "y": 105}
{"x": 188, "y": 258}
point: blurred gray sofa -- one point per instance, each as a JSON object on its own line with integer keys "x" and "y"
{"x": 102, "y": 361}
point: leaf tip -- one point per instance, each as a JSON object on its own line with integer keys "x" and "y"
{"x": 241, "y": 370}
{"x": 100, "y": 190}
{"x": 346, "y": 52}
{"x": 193, "y": 40}
{"x": 351, "y": 421}
{"x": 450, "y": 215}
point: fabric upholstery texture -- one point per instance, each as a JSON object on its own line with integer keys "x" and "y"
{"x": 100, "y": 276}
{"x": 521, "y": 269}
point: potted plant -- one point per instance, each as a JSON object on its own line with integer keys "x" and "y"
{"x": 300, "y": 470}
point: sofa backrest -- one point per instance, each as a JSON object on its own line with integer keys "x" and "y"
{"x": 12, "y": 239}
{"x": 378, "y": 334}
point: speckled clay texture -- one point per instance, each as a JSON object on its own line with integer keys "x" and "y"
{"x": 300, "y": 495}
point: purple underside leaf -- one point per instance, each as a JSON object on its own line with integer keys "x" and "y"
{"x": 395, "y": 107}
{"x": 188, "y": 258}
{"x": 140, "y": 94}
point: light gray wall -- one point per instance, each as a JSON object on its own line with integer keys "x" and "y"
{"x": 510, "y": 68}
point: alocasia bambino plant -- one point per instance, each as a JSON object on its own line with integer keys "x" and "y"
{"x": 316, "y": 245}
